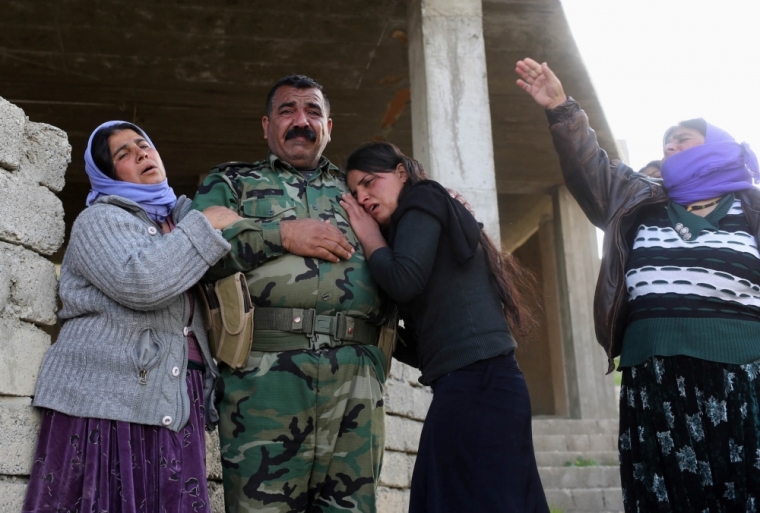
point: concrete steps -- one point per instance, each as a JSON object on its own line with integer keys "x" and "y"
{"x": 578, "y": 464}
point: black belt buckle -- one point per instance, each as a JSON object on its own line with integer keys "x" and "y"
{"x": 325, "y": 329}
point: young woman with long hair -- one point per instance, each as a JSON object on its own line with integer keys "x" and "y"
{"x": 459, "y": 297}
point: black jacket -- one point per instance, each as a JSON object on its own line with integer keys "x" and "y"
{"x": 612, "y": 195}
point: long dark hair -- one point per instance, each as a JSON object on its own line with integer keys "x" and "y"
{"x": 101, "y": 152}
{"x": 512, "y": 280}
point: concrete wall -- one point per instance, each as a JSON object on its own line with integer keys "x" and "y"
{"x": 533, "y": 351}
{"x": 33, "y": 161}
{"x": 406, "y": 404}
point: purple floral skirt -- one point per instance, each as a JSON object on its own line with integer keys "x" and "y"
{"x": 94, "y": 465}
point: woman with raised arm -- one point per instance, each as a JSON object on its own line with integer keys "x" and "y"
{"x": 458, "y": 297}
{"x": 127, "y": 389}
{"x": 678, "y": 299}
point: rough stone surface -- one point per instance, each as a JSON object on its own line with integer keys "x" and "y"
{"x": 574, "y": 426}
{"x": 216, "y": 495}
{"x": 559, "y": 499}
{"x": 613, "y": 499}
{"x": 580, "y": 477}
{"x": 406, "y": 400}
{"x": 397, "y": 469}
{"x": 12, "y": 120}
{"x": 19, "y": 427}
{"x": 562, "y": 458}
{"x": 12, "y": 491}
{"x": 391, "y": 500}
{"x": 402, "y": 434}
{"x": 213, "y": 456}
{"x": 405, "y": 373}
{"x": 30, "y": 215}
{"x": 22, "y": 347}
{"x": 28, "y": 285}
{"x": 46, "y": 155}
{"x": 589, "y": 500}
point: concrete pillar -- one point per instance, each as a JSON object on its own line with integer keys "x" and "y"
{"x": 552, "y": 317}
{"x": 590, "y": 393}
{"x": 451, "y": 117}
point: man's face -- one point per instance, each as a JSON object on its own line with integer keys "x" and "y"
{"x": 298, "y": 128}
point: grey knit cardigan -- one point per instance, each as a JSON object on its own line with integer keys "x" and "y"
{"x": 124, "y": 314}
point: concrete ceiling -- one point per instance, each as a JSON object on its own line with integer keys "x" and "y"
{"x": 194, "y": 74}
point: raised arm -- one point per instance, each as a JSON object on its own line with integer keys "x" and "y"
{"x": 599, "y": 186}
{"x": 541, "y": 83}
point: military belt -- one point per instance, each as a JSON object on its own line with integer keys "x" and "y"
{"x": 319, "y": 330}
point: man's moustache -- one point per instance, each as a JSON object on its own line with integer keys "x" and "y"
{"x": 301, "y": 132}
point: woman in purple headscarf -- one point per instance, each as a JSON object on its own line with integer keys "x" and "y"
{"x": 126, "y": 390}
{"x": 678, "y": 300}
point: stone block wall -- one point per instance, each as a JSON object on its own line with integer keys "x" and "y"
{"x": 406, "y": 404}
{"x": 33, "y": 161}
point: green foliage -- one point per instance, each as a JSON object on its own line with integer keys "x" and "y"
{"x": 580, "y": 461}
{"x": 554, "y": 510}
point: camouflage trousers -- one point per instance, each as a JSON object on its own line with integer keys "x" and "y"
{"x": 303, "y": 431}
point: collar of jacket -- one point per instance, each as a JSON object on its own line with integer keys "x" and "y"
{"x": 182, "y": 206}
{"x": 324, "y": 165}
{"x": 750, "y": 199}
{"x": 611, "y": 291}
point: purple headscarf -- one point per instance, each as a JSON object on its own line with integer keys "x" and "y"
{"x": 157, "y": 200}
{"x": 713, "y": 169}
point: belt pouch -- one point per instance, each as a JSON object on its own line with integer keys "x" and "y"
{"x": 388, "y": 336}
{"x": 212, "y": 315}
{"x": 236, "y": 313}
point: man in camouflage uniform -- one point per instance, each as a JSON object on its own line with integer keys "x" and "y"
{"x": 302, "y": 424}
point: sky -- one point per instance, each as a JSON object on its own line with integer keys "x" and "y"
{"x": 656, "y": 62}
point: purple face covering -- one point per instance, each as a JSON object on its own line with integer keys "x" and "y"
{"x": 713, "y": 169}
{"x": 157, "y": 200}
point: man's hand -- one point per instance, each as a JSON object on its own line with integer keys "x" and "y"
{"x": 314, "y": 238}
{"x": 220, "y": 217}
{"x": 541, "y": 83}
{"x": 364, "y": 225}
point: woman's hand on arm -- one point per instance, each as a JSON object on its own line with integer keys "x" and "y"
{"x": 364, "y": 225}
{"x": 541, "y": 83}
{"x": 220, "y": 217}
{"x": 136, "y": 267}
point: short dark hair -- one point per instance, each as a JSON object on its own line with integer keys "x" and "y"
{"x": 654, "y": 163}
{"x": 299, "y": 82}
{"x": 698, "y": 124}
{"x": 101, "y": 152}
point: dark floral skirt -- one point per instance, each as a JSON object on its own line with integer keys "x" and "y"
{"x": 96, "y": 465}
{"x": 689, "y": 436}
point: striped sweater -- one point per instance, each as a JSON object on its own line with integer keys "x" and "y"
{"x": 693, "y": 286}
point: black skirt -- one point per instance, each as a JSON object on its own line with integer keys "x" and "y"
{"x": 689, "y": 436}
{"x": 476, "y": 449}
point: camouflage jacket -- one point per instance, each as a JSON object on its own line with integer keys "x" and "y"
{"x": 264, "y": 194}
